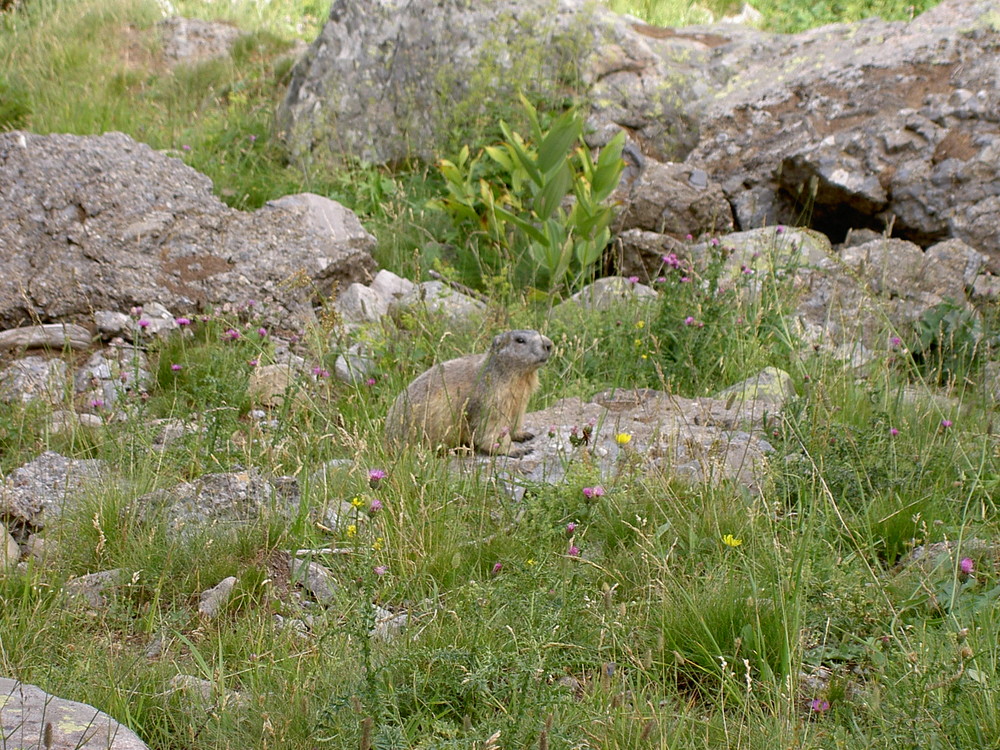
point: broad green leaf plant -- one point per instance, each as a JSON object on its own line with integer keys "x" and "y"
{"x": 537, "y": 206}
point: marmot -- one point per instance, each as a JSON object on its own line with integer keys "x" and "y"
{"x": 476, "y": 401}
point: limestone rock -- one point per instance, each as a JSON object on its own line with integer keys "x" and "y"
{"x": 605, "y": 293}
{"x": 355, "y": 365}
{"x": 368, "y": 90}
{"x": 28, "y": 713}
{"x": 213, "y": 599}
{"x": 436, "y": 297}
{"x": 316, "y": 579}
{"x": 10, "y": 552}
{"x": 37, "y": 493}
{"x": 55, "y": 336}
{"x": 863, "y": 122}
{"x": 34, "y": 378}
{"x": 91, "y": 587}
{"x": 192, "y": 40}
{"x": 696, "y": 440}
{"x": 226, "y": 499}
{"x": 104, "y": 223}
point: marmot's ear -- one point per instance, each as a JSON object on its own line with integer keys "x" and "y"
{"x": 498, "y": 340}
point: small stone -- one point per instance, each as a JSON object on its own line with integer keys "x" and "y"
{"x": 10, "y": 553}
{"x": 213, "y": 599}
{"x": 91, "y": 587}
{"x": 270, "y": 385}
{"x": 355, "y": 366}
{"x": 315, "y": 579}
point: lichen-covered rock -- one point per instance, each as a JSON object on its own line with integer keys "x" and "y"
{"x": 34, "y": 378}
{"x": 866, "y": 124}
{"x": 387, "y": 80}
{"x": 37, "y": 493}
{"x": 31, "y": 718}
{"x": 105, "y": 223}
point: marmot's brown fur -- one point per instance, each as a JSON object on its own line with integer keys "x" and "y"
{"x": 476, "y": 401}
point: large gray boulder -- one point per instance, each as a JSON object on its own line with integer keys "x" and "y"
{"x": 31, "y": 718}
{"x": 866, "y": 125}
{"x": 104, "y": 223}
{"x": 387, "y": 79}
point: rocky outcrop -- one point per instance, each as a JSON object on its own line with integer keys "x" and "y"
{"x": 106, "y": 223}
{"x": 866, "y": 125}
{"x": 388, "y": 80}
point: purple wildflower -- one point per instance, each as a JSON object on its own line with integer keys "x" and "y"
{"x": 182, "y": 321}
{"x": 375, "y": 476}
{"x": 893, "y": 431}
{"x": 946, "y": 423}
{"x": 570, "y": 528}
{"x": 143, "y": 323}
{"x": 574, "y": 551}
{"x": 497, "y": 567}
{"x": 232, "y": 334}
{"x": 966, "y": 566}
{"x": 819, "y": 705}
{"x": 381, "y": 570}
{"x": 375, "y": 507}
{"x": 262, "y": 332}
{"x": 176, "y": 367}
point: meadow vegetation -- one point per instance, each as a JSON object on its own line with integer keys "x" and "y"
{"x": 626, "y": 611}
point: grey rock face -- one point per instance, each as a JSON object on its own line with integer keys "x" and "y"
{"x": 53, "y": 336}
{"x": 106, "y": 223}
{"x": 388, "y": 79}
{"x": 38, "y": 492}
{"x": 226, "y": 499}
{"x": 865, "y": 124}
{"x": 34, "y": 378}
{"x": 26, "y": 711}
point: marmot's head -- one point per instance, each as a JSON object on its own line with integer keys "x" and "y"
{"x": 527, "y": 350}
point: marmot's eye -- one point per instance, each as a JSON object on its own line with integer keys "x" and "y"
{"x": 519, "y": 339}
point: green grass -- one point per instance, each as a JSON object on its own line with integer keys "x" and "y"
{"x": 659, "y": 635}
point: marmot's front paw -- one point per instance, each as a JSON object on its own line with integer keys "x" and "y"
{"x": 520, "y": 437}
{"x": 519, "y": 452}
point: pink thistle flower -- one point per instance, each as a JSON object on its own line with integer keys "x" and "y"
{"x": 715, "y": 242}
{"x": 253, "y": 362}
{"x": 185, "y": 147}
{"x": 689, "y": 236}
{"x": 97, "y": 403}
{"x": 232, "y": 334}
{"x": 319, "y": 372}
{"x": 497, "y": 567}
{"x": 262, "y": 332}
{"x": 893, "y": 431}
{"x": 661, "y": 279}
{"x": 690, "y": 320}
{"x": 570, "y": 528}
{"x": 946, "y": 423}
{"x": 671, "y": 260}
{"x": 182, "y": 321}
{"x": 370, "y": 382}
{"x": 819, "y": 705}
{"x": 591, "y": 492}
{"x": 781, "y": 230}
{"x": 176, "y": 367}
{"x": 966, "y": 565}
{"x": 574, "y": 551}
{"x": 375, "y": 507}
{"x": 381, "y": 570}
{"x": 375, "y": 476}
{"x": 144, "y": 324}
{"x": 633, "y": 279}
{"x": 896, "y": 342}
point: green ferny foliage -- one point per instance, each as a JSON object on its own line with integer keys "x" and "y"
{"x": 539, "y": 205}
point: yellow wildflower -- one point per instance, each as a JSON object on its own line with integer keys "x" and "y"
{"x": 730, "y": 541}
{"x": 623, "y": 438}
{"x": 357, "y": 502}
{"x": 352, "y": 530}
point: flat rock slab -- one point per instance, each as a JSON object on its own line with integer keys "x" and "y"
{"x": 32, "y": 718}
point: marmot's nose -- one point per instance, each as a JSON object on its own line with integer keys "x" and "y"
{"x": 547, "y": 346}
